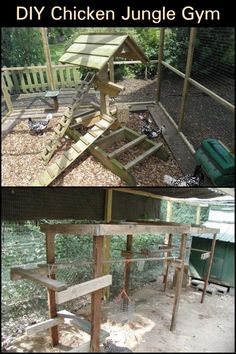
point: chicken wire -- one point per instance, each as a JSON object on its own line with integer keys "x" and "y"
{"x": 212, "y": 67}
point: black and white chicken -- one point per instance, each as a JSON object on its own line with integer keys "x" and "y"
{"x": 38, "y": 126}
{"x": 148, "y": 130}
{"x": 194, "y": 180}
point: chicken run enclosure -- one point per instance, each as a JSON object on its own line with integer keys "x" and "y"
{"x": 74, "y": 123}
{"x": 95, "y": 251}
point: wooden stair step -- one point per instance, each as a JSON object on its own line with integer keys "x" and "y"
{"x": 44, "y": 179}
{"x": 51, "y": 171}
{"x": 76, "y": 148}
{"x": 71, "y": 154}
{"x": 93, "y": 133}
{"x": 107, "y": 118}
{"x": 100, "y": 126}
{"x": 143, "y": 156}
{"x": 127, "y": 146}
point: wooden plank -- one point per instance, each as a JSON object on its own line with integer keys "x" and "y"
{"x": 115, "y": 39}
{"x": 92, "y": 49}
{"x": 111, "y": 138}
{"x": 96, "y": 62}
{"x": 39, "y": 279}
{"x": 29, "y": 81}
{"x": 51, "y": 78}
{"x": 83, "y": 289}
{"x": 42, "y": 80}
{"x": 80, "y": 322}
{"x": 143, "y": 156}
{"x": 96, "y": 297}
{"x": 42, "y": 326}
{"x": 15, "y": 82}
{"x": 127, "y": 146}
{"x": 107, "y": 239}
{"x": 6, "y": 78}
{"x": 160, "y": 59}
{"x": 34, "y": 72}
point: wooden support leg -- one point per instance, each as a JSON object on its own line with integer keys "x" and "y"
{"x": 209, "y": 267}
{"x": 52, "y": 307}
{"x": 127, "y": 268}
{"x": 179, "y": 280}
{"x": 165, "y": 276}
{"x": 96, "y": 297}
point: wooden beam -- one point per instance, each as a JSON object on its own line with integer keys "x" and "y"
{"x": 23, "y": 273}
{"x": 111, "y": 69}
{"x": 42, "y": 326}
{"x": 96, "y": 297}
{"x": 83, "y": 289}
{"x": 166, "y": 262}
{"x": 188, "y": 69}
{"x": 198, "y": 215}
{"x": 167, "y": 241}
{"x": 179, "y": 280}
{"x": 160, "y": 58}
{"x": 52, "y": 306}
{"x": 210, "y": 260}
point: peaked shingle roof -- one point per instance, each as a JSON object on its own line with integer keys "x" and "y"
{"x": 95, "y": 50}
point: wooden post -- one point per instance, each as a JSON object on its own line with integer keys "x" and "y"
{"x": 48, "y": 58}
{"x": 50, "y": 256}
{"x": 96, "y": 296}
{"x": 198, "y": 215}
{"x": 188, "y": 69}
{"x": 103, "y": 75}
{"x": 111, "y": 69}
{"x": 107, "y": 239}
{"x": 127, "y": 267}
{"x": 166, "y": 241}
{"x": 209, "y": 267}
{"x": 179, "y": 280}
{"x": 165, "y": 276}
{"x": 160, "y": 59}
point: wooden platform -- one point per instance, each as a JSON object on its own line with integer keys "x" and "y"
{"x": 179, "y": 150}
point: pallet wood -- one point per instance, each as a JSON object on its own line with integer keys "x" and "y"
{"x": 39, "y": 279}
{"x": 83, "y": 289}
{"x": 42, "y": 326}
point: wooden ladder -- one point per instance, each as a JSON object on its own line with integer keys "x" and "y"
{"x": 76, "y": 150}
{"x": 64, "y": 122}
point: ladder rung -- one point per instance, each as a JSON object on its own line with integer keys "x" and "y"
{"x": 76, "y": 148}
{"x": 143, "y": 156}
{"x": 50, "y": 172}
{"x": 127, "y": 146}
{"x": 100, "y": 126}
{"x": 107, "y": 118}
{"x": 93, "y": 133}
{"x": 85, "y": 141}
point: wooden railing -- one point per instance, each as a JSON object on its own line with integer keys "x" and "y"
{"x": 34, "y": 78}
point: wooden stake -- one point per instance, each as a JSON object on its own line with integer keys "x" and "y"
{"x": 50, "y": 256}
{"x": 127, "y": 265}
{"x": 160, "y": 59}
{"x": 188, "y": 69}
{"x": 107, "y": 239}
{"x": 209, "y": 267}
{"x": 96, "y": 297}
{"x": 179, "y": 280}
{"x": 48, "y": 58}
{"x": 103, "y": 76}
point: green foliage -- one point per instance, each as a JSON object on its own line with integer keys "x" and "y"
{"x": 21, "y": 46}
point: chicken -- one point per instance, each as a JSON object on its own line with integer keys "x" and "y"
{"x": 38, "y": 126}
{"x": 194, "y": 180}
{"x": 149, "y": 131}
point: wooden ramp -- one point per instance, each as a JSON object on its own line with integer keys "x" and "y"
{"x": 76, "y": 150}
{"x": 178, "y": 148}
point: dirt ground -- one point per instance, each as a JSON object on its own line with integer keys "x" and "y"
{"x": 207, "y": 327}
